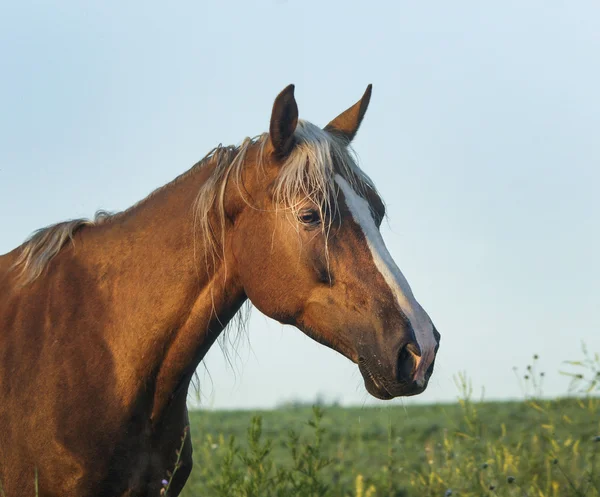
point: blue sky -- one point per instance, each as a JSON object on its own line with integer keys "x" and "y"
{"x": 482, "y": 136}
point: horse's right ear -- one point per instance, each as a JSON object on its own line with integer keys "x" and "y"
{"x": 284, "y": 120}
{"x": 347, "y": 123}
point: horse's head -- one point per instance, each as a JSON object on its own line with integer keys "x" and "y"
{"x": 309, "y": 252}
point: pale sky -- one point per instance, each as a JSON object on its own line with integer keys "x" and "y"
{"x": 483, "y": 136}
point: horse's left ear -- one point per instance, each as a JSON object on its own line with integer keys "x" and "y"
{"x": 284, "y": 120}
{"x": 347, "y": 123}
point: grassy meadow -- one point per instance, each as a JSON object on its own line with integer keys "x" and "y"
{"x": 535, "y": 447}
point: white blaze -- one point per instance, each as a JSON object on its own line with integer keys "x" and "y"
{"x": 421, "y": 324}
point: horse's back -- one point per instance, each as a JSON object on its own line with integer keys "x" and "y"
{"x": 59, "y": 409}
{"x": 44, "y": 366}
{"x": 13, "y": 476}
{"x": 7, "y": 273}
{"x": 8, "y": 306}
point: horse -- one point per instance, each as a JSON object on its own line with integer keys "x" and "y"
{"x": 104, "y": 321}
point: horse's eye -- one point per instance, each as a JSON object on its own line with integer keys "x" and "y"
{"x": 310, "y": 217}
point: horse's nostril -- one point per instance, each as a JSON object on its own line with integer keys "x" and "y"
{"x": 406, "y": 361}
{"x": 414, "y": 349}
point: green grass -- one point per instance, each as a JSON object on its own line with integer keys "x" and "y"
{"x": 530, "y": 448}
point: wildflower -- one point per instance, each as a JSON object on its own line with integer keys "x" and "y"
{"x": 510, "y": 479}
{"x": 554, "y": 461}
{"x": 526, "y": 376}
{"x": 164, "y": 483}
{"x": 528, "y": 367}
{"x": 360, "y": 485}
{"x": 370, "y": 491}
{"x": 448, "y": 493}
{"x": 535, "y": 357}
{"x": 484, "y": 465}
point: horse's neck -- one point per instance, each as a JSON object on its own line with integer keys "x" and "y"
{"x": 166, "y": 309}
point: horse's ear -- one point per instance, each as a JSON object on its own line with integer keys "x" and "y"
{"x": 347, "y": 123}
{"x": 284, "y": 120}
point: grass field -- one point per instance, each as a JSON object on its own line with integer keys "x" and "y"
{"x": 531, "y": 448}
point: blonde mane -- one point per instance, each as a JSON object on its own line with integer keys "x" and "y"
{"x": 307, "y": 175}
{"x": 44, "y": 244}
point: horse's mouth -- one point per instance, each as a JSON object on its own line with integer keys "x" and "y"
{"x": 385, "y": 390}
{"x": 376, "y": 389}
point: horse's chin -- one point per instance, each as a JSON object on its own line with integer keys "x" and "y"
{"x": 386, "y": 391}
{"x": 376, "y": 390}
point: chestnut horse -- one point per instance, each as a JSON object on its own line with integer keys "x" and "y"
{"x": 103, "y": 322}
